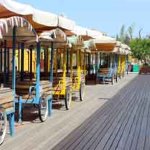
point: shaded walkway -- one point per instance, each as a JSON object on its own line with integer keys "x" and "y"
{"x": 121, "y": 123}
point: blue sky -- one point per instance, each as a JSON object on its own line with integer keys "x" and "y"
{"x": 104, "y": 15}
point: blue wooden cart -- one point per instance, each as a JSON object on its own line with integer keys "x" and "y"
{"x": 14, "y": 30}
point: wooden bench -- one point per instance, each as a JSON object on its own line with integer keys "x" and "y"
{"x": 106, "y": 74}
{"x": 61, "y": 89}
{"x": 7, "y": 109}
{"x": 17, "y": 77}
{"x": 26, "y": 93}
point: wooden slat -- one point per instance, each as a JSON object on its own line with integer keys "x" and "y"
{"x": 102, "y": 118}
{"x": 121, "y": 125}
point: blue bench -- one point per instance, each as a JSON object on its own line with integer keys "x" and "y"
{"x": 26, "y": 94}
{"x": 106, "y": 74}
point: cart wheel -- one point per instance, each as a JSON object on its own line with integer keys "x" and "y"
{"x": 68, "y": 98}
{"x": 3, "y": 125}
{"x": 82, "y": 91}
{"x": 43, "y": 109}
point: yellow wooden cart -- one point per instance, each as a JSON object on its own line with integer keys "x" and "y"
{"x": 77, "y": 66}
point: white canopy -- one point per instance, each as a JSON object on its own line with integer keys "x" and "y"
{"x": 104, "y": 40}
{"x": 94, "y": 33}
{"x": 80, "y": 31}
{"x": 56, "y": 35}
{"x": 65, "y": 23}
{"x": 24, "y": 28}
{"x": 36, "y": 17}
{"x": 16, "y": 7}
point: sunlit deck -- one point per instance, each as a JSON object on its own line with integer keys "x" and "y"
{"x": 111, "y": 117}
{"x": 122, "y": 123}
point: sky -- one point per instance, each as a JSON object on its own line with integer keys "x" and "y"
{"x": 104, "y": 15}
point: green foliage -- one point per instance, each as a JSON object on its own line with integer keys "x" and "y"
{"x": 141, "y": 49}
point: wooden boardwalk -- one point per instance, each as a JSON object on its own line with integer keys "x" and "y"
{"x": 123, "y": 123}
{"x": 100, "y": 121}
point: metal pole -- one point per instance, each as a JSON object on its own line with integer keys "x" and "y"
{"x": 13, "y": 61}
{"x": 89, "y": 63}
{"x": 31, "y": 50}
{"x": 38, "y": 72}
{"x": 5, "y": 61}
{"x": 22, "y": 60}
{"x": 1, "y": 59}
{"x": 8, "y": 64}
{"x": 52, "y": 62}
{"x": 19, "y": 57}
{"x": 67, "y": 60}
{"x": 1, "y": 62}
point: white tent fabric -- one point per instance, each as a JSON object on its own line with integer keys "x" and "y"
{"x": 104, "y": 40}
{"x": 80, "y": 31}
{"x": 122, "y": 49}
{"x": 56, "y": 35}
{"x": 24, "y": 28}
{"x": 45, "y": 18}
{"x": 94, "y": 33}
{"x": 65, "y": 23}
{"x": 16, "y": 7}
{"x": 38, "y": 16}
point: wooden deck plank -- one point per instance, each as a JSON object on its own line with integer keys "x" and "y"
{"x": 121, "y": 127}
{"x": 95, "y": 111}
{"x": 98, "y": 124}
{"x": 124, "y": 128}
{"x": 92, "y": 123}
{"x": 123, "y": 134}
{"x": 123, "y": 116}
{"x": 126, "y": 94}
{"x": 143, "y": 130}
{"x": 120, "y": 139}
{"x": 147, "y": 141}
{"x": 132, "y": 130}
{"x": 101, "y": 134}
